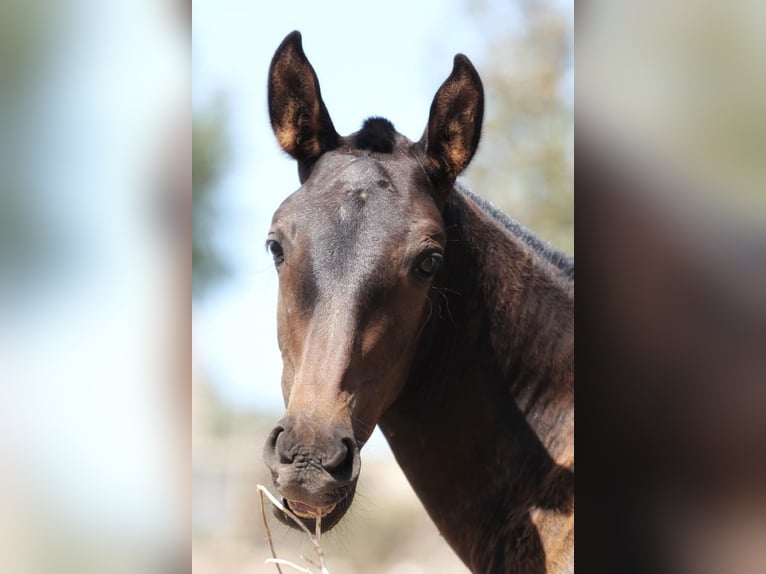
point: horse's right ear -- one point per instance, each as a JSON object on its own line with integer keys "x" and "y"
{"x": 299, "y": 117}
{"x": 454, "y": 123}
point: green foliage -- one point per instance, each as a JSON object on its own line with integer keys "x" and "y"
{"x": 28, "y": 33}
{"x": 29, "y": 246}
{"x": 209, "y": 151}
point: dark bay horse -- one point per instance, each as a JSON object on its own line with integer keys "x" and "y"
{"x": 407, "y": 302}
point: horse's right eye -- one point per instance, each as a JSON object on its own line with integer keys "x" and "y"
{"x": 430, "y": 265}
{"x": 276, "y": 250}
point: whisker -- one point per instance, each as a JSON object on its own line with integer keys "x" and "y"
{"x": 430, "y": 312}
{"x": 441, "y": 291}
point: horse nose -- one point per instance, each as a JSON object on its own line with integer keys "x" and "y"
{"x": 337, "y": 454}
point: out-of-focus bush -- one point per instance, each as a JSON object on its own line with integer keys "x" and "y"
{"x": 685, "y": 81}
{"x": 526, "y": 160}
{"x": 209, "y": 149}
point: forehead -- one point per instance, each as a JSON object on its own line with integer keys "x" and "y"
{"x": 346, "y": 171}
{"x": 348, "y": 189}
{"x": 356, "y": 217}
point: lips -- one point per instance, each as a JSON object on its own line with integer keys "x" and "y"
{"x": 310, "y": 514}
{"x": 307, "y": 511}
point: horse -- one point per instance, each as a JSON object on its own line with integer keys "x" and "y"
{"x": 406, "y": 301}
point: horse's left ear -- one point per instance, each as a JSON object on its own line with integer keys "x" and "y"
{"x": 454, "y": 124}
{"x": 298, "y": 114}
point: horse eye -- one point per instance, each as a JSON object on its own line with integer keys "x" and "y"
{"x": 430, "y": 265}
{"x": 276, "y": 250}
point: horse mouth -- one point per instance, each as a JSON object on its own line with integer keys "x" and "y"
{"x": 308, "y": 514}
{"x": 307, "y": 511}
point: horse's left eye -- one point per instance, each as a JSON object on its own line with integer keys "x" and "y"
{"x": 276, "y": 251}
{"x": 430, "y": 265}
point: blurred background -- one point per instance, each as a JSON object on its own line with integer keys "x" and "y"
{"x": 95, "y": 188}
{"x": 386, "y": 60}
{"x": 671, "y": 238}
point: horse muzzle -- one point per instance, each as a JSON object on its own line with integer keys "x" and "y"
{"x": 315, "y": 473}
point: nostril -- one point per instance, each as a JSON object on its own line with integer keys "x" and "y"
{"x": 285, "y": 454}
{"x": 340, "y": 462}
{"x": 273, "y": 435}
{"x": 336, "y": 458}
{"x": 275, "y": 450}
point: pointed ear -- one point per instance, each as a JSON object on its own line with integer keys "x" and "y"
{"x": 299, "y": 117}
{"x": 454, "y": 124}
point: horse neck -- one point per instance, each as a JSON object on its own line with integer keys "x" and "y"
{"x": 520, "y": 294}
{"x": 484, "y": 426}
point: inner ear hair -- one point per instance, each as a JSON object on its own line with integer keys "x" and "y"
{"x": 454, "y": 123}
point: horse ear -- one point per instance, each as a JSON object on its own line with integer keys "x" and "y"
{"x": 299, "y": 117}
{"x": 454, "y": 123}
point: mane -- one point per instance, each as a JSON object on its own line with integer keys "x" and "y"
{"x": 377, "y": 135}
{"x": 563, "y": 262}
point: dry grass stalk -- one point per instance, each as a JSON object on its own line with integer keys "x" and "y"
{"x": 314, "y": 538}
{"x": 278, "y": 561}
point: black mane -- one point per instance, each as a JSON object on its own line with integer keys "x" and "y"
{"x": 562, "y": 261}
{"x": 377, "y": 135}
